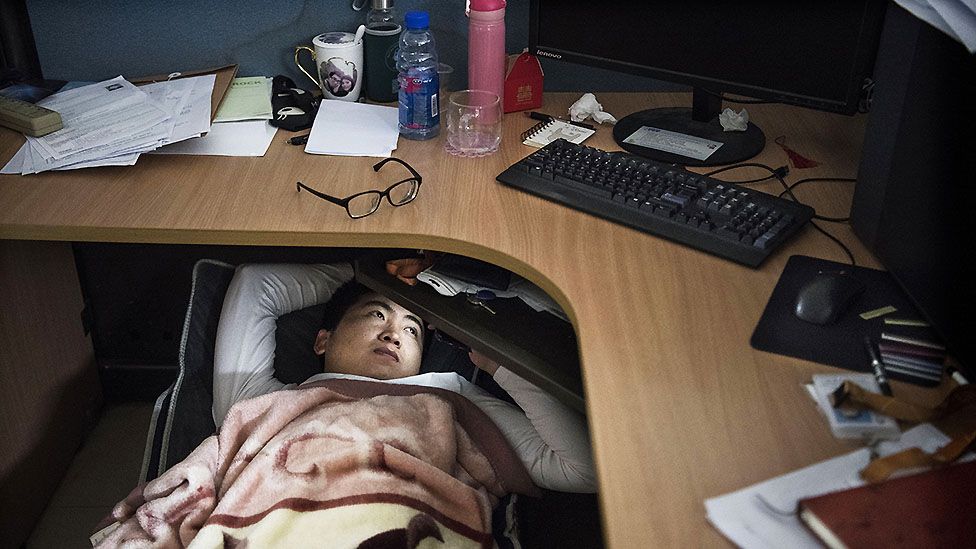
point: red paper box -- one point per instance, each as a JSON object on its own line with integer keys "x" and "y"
{"x": 523, "y": 83}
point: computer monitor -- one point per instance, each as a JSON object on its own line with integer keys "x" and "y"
{"x": 811, "y": 54}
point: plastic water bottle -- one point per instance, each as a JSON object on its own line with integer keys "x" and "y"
{"x": 417, "y": 76}
{"x": 486, "y": 46}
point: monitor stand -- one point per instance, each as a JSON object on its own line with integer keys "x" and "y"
{"x": 701, "y": 122}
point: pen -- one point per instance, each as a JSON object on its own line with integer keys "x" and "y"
{"x": 544, "y": 116}
{"x": 878, "y": 366}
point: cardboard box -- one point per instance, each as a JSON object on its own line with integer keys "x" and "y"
{"x": 523, "y": 83}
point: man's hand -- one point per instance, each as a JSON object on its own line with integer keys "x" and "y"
{"x": 407, "y": 269}
{"x": 483, "y": 362}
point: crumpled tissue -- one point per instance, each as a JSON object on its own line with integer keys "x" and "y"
{"x": 732, "y": 121}
{"x": 587, "y": 106}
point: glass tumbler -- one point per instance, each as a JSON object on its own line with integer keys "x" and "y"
{"x": 474, "y": 123}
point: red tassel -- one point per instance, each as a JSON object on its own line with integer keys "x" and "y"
{"x": 796, "y": 159}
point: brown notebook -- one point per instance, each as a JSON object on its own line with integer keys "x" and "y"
{"x": 936, "y": 508}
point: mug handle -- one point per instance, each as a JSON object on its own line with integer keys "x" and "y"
{"x": 301, "y": 68}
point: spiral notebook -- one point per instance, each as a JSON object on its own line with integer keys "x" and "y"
{"x": 547, "y": 131}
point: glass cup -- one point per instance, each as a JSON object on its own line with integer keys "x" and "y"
{"x": 474, "y": 123}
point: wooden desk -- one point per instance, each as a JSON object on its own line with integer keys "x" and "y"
{"x": 680, "y": 407}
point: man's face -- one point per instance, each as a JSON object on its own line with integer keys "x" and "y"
{"x": 334, "y": 81}
{"x": 375, "y": 338}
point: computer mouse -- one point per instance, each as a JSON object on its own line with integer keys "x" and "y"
{"x": 826, "y": 296}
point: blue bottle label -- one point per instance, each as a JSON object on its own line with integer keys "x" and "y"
{"x": 418, "y": 102}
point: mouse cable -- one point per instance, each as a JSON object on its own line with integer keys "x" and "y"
{"x": 843, "y": 246}
{"x": 772, "y": 173}
{"x": 780, "y": 175}
{"x": 789, "y": 190}
{"x": 818, "y": 179}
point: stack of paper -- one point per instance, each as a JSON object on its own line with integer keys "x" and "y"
{"x": 354, "y": 129}
{"x": 112, "y": 122}
{"x": 240, "y": 126}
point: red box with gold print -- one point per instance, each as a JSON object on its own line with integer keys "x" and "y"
{"x": 523, "y": 83}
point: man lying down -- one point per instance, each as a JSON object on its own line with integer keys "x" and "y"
{"x": 367, "y": 453}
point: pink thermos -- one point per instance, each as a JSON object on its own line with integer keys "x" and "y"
{"x": 486, "y": 46}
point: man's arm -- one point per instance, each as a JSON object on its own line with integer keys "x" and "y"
{"x": 245, "y": 347}
{"x": 550, "y": 438}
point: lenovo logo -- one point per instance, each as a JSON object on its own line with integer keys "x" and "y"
{"x": 549, "y": 54}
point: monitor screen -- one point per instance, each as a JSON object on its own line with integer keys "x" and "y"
{"x": 815, "y": 54}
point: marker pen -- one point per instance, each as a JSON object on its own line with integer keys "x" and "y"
{"x": 878, "y": 367}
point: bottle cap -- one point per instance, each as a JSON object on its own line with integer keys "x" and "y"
{"x": 417, "y": 19}
{"x": 487, "y": 5}
{"x": 382, "y": 4}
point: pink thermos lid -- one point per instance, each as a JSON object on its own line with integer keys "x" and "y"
{"x": 487, "y": 5}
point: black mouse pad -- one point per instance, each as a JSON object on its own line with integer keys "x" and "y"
{"x": 842, "y": 343}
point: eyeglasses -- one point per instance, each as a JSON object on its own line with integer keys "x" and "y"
{"x": 367, "y": 202}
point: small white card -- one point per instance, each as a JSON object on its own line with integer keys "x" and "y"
{"x": 673, "y": 142}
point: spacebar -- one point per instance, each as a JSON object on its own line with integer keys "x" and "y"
{"x": 579, "y": 185}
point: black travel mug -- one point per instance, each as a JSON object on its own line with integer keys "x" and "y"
{"x": 380, "y": 43}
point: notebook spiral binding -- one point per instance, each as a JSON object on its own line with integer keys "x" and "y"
{"x": 527, "y": 134}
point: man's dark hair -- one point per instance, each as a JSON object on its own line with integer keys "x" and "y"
{"x": 345, "y": 297}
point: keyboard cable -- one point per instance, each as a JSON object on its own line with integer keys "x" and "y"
{"x": 780, "y": 175}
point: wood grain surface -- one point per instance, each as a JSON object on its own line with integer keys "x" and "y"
{"x": 681, "y": 408}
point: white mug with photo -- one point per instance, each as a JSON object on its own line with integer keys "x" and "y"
{"x": 338, "y": 60}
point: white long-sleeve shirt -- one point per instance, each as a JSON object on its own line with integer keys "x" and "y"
{"x": 549, "y": 438}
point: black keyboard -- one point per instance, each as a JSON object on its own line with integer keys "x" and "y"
{"x": 743, "y": 225}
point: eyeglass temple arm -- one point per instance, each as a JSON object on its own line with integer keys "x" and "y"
{"x": 299, "y": 186}
{"x": 381, "y": 163}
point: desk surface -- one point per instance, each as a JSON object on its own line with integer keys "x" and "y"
{"x": 680, "y": 407}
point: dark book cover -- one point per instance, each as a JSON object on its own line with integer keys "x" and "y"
{"x": 897, "y": 348}
{"x": 913, "y": 340}
{"x": 936, "y": 508}
{"x": 922, "y": 336}
{"x": 918, "y": 362}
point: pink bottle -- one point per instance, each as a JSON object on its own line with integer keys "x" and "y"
{"x": 486, "y": 46}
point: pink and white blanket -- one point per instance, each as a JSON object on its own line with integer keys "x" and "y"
{"x": 337, "y": 463}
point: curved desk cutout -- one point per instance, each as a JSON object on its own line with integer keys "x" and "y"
{"x": 680, "y": 407}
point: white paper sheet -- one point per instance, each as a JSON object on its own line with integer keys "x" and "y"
{"x": 245, "y": 138}
{"x": 16, "y": 162}
{"x": 188, "y": 102}
{"x": 956, "y": 18}
{"x": 97, "y": 117}
{"x": 354, "y": 129}
{"x": 763, "y": 516}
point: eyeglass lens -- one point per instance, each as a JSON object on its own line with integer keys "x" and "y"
{"x": 403, "y": 192}
{"x": 366, "y": 203}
